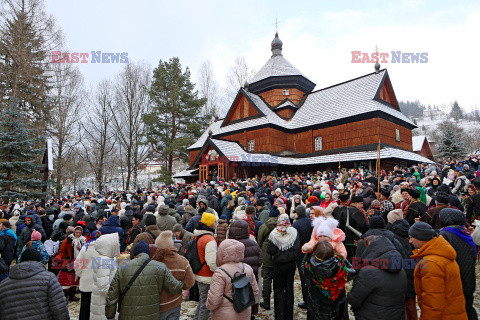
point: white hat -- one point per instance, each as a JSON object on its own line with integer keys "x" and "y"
{"x": 340, "y": 186}
{"x": 325, "y": 227}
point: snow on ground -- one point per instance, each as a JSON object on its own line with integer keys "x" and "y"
{"x": 188, "y": 308}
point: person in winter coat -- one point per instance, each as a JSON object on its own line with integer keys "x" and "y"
{"x": 239, "y": 230}
{"x": 8, "y": 240}
{"x": 150, "y": 234}
{"x": 142, "y": 299}
{"x": 31, "y": 292}
{"x": 297, "y": 201}
{"x": 224, "y": 206}
{"x": 182, "y": 235}
{"x": 26, "y": 232}
{"x": 189, "y": 213}
{"x": 229, "y": 259}
{"x": 104, "y": 268}
{"x": 36, "y": 244}
{"x": 438, "y": 283}
{"x": 84, "y": 271}
{"x": 325, "y": 278}
{"x": 400, "y": 231}
{"x": 137, "y": 228}
{"x": 165, "y": 252}
{"x": 207, "y": 252}
{"x": 304, "y": 228}
{"x": 222, "y": 229}
{"x": 378, "y": 291}
{"x": 64, "y": 260}
{"x": 164, "y": 220}
{"x": 326, "y": 229}
{"x": 263, "y": 211}
{"x": 112, "y": 225}
{"x": 283, "y": 246}
{"x": 456, "y": 233}
{"x": 267, "y": 268}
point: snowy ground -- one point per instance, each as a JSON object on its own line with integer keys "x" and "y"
{"x": 188, "y": 308}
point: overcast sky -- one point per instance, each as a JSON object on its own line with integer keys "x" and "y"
{"x": 318, "y": 38}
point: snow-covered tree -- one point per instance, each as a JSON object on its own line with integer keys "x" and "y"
{"x": 457, "y": 112}
{"x": 451, "y": 142}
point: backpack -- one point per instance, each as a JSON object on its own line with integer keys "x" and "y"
{"x": 242, "y": 292}
{"x": 191, "y": 254}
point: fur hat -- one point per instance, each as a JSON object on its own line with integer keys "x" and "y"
{"x": 164, "y": 240}
{"x": 325, "y": 227}
{"x": 312, "y": 199}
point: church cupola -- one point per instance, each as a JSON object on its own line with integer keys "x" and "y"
{"x": 278, "y": 75}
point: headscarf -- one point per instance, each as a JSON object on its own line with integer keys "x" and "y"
{"x": 77, "y": 243}
{"x": 283, "y": 223}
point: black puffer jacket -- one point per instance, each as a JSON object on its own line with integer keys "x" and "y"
{"x": 380, "y": 232}
{"x": 379, "y": 293}
{"x": 329, "y": 310}
{"x": 400, "y": 231}
{"x": 7, "y": 248}
{"x": 291, "y": 246}
{"x": 466, "y": 256}
{"x": 357, "y": 220}
{"x": 30, "y": 284}
{"x": 304, "y": 228}
{"x": 253, "y": 254}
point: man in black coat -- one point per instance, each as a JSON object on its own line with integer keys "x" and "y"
{"x": 457, "y": 235}
{"x": 416, "y": 208}
{"x": 304, "y": 228}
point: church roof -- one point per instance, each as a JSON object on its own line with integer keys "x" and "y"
{"x": 417, "y": 142}
{"x": 276, "y": 66}
{"x": 347, "y": 101}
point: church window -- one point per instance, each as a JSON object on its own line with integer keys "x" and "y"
{"x": 318, "y": 143}
{"x": 251, "y": 145}
{"x": 397, "y": 135}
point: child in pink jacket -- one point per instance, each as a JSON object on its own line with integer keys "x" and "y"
{"x": 326, "y": 229}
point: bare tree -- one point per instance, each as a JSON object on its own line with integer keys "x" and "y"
{"x": 77, "y": 168}
{"x": 131, "y": 102}
{"x": 66, "y": 100}
{"x": 238, "y": 74}
{"x": 208, "y": 89}
{"x": 98, "y": 136}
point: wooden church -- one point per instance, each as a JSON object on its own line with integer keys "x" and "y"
{"x": 277, "y": 122}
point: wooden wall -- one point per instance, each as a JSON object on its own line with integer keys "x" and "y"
{"x": 241, "y": 109}
{"x": 193, "y": 155}
{"x": 341, "y": 136}
{"x": 275, "y": 96}
{"x": 286, "y": 113}
{"x": 426, "y": 151}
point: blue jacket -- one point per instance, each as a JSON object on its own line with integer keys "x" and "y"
{"x": 112, "y": 225}
{"x": 37, "y": 245}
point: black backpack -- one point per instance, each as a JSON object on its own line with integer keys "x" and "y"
{"x": 191, "y": 253}
{"x": 242, "y": 292}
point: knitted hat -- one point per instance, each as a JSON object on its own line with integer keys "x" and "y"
{"x": 176, "y": 228}
{"x": 274, "y": 212}
{"x": 208, "y": 219}
{"x": 421, "y": 231}
{"x": 150, "y": 220}
{"x": 31, "y": 255}
{"x": 36, "y": 235}
{"x": 312, "y": 199}
{"x": 250, "y": 210}
{"x": 394, "y": 215}
{"x": 181, "y": 209}
{"x": 164, "y": 240}
{"x": 325, "y": 227}
{"x": 151, "y": 208}
{"x": 301, "y": 210}
{"x": 340, "y": 186}
{"x": 142, "y": 246}
{"x": 376, "y": 222}
{"x": 452, "y": 217}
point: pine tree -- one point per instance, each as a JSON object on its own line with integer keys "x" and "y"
{"x": 451, "y": 143}
{"x": 19, "y": 160}
{"x": 457, "y": 112}
{"x": 175, "y": 120}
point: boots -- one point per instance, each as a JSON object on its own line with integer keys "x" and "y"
{"x": 71, "y": 294}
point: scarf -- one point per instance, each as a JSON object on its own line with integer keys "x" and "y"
{"x": 77, "y": 244}
{"x": 462, "y": 233}
{"x": 330, "y": 287}
{"x": 282, "y": 238}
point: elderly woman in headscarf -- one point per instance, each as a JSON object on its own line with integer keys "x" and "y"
{"x": 283, "y": 247}
{"x": 64, "y": 260}
{"x": 297, "y": 201}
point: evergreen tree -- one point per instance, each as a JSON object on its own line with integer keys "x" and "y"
{"x": 175, "y": 120}
{"x": 457, "y": 112}
{"x": 451, "y": 142}
{"x": 19, "y": 160}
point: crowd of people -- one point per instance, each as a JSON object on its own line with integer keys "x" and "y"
{"x": 404, "y": 238}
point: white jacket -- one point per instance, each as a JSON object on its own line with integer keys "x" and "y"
{"x": 83, "y": 266}
{"x": 104, "y": 267}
